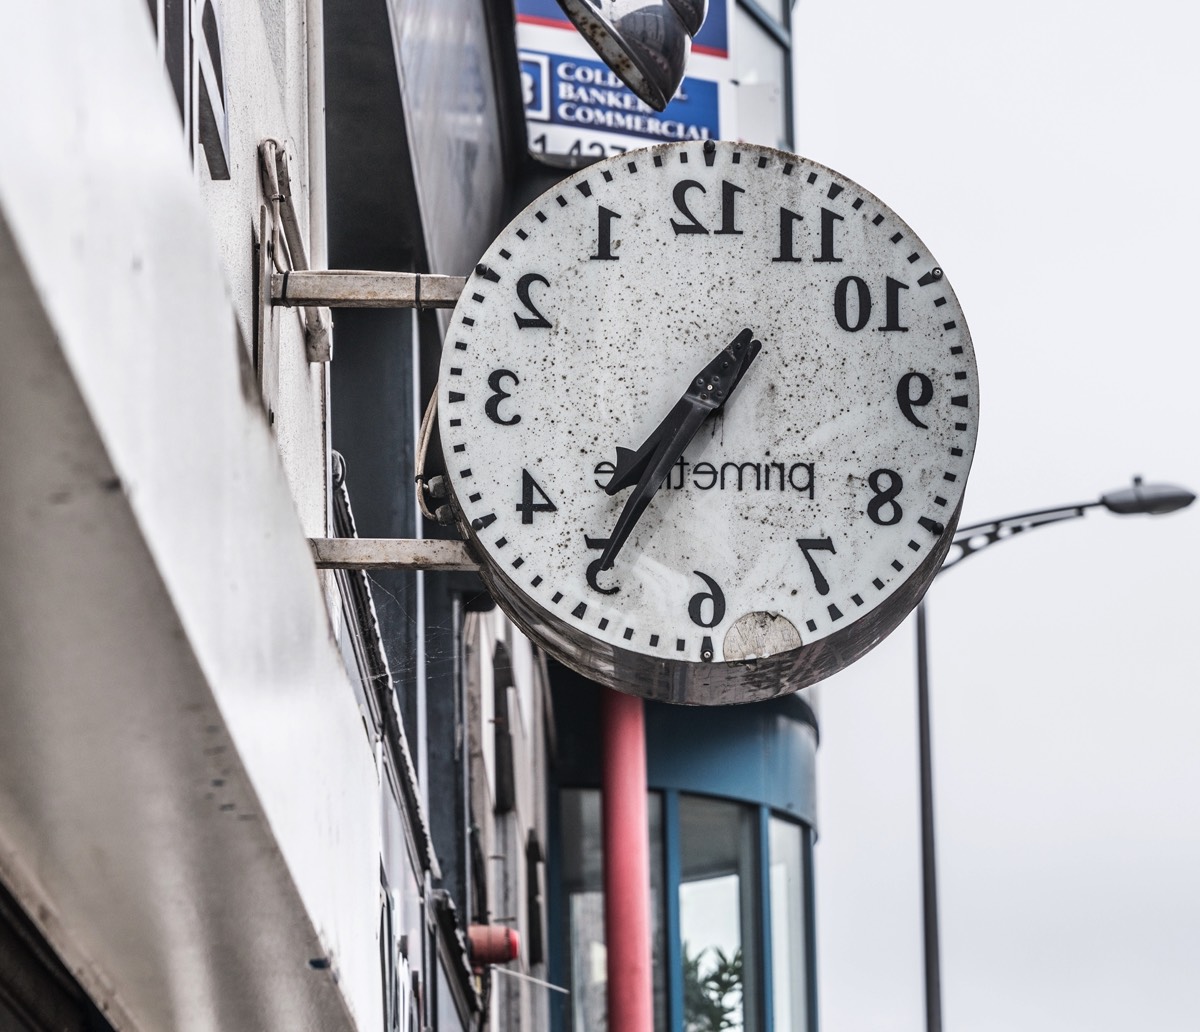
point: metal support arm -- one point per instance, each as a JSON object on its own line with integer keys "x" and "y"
{"x": 348, "y": 288}
{"x": 392, "y": 554}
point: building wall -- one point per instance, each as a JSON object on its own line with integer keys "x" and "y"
{"x": 191, "y": 806}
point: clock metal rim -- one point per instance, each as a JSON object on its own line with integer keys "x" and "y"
{"x": 688, "y": 680}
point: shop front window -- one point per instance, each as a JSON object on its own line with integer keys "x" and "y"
{"x": 718, "y": 915}
{"x": 583, "y": 884}
{"x": 789, "y": 961}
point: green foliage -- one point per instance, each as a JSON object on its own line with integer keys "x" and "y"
{"x": 712, "y": 991}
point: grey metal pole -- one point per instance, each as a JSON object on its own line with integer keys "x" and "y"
{"x": 929, "y": 905}
{"x": 1147, "y": 499}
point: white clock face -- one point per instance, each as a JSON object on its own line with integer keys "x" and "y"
{"x": 815, "y": 497}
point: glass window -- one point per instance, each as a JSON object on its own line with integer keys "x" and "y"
{"x": 777, "y": 9}
{"x": 761, "y": 74}
{"x": 789, "y": 968}
{"x": 583, "y": 886}
{"x": 718, "y": 915}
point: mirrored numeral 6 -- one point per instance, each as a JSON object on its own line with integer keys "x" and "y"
{"x": 713, "y": 596}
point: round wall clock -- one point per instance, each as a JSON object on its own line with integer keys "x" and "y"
{"x": 707, "y": 412}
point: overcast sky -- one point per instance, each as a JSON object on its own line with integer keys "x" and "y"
{"x": 1046, "y": 153}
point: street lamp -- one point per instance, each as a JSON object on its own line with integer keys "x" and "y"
{"x": 1151, "y": 499}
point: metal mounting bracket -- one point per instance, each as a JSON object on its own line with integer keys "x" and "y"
{"x": 287, "y": 243}
{"x": 349, "y": 288}
{"x": 392, "y": 554}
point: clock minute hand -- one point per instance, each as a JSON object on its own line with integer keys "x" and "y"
{"x": 731, "y": 365}
{"x": 651, "y": 462}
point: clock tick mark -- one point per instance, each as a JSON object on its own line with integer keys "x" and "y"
{"x": 476, "y": 297}
{"x": 483, "y": 521}
{"x": 938, "y": 302}
{"x": 737, "y": 157}
{"x": 897, "y": 237}
{"x": 834, "y": 190}
{"x": 460, "y": 345}
{"x": 706, "y": 649}
{"x": 950, "y": 477}
{"x": 464, "y": 473}
{"x": 878, "y": 584}
{"x": 562, "y": 202}
{"x": 960, "y": 400}
{"x": 876, "y": 220}
{"x": 811, "y": 625}
{"x": 956, "y": 350}
{"x": 710, "y": 153}
{"x": 506, "y": 255}
{"x": 658, "y": 160}
{"x": 603, "y": 625}
{"x": 913, "y": 257}
{"x": 858, "y": 203}
{"x": 607, "y": 176}
{"x": 501, "y": 542}
{"x": 628, "y": 633}
{"x": 856, "y": 599}
{"x": 897, "y": 565}
{"x": 960, "y": 375}
{"x": 762, "y": 162}
{"x": 680, "y": 645}
{"x": 455, "y": 371}
{"x": 960, "y": 426}
{"x": 475, "y": 497}
{"x": 934, "y": 528}
{"x": 460, "y": 447}
{"x": 834, "y": 612}
{"x": 956, "y": 452}
{"x": 787, "y": 168}
{"x": 939, "y": 500}
{"x": 518, "y": 562}
{"x": 540, "y": 216}
{"x": 654, "y": 641}
{"x": 456, "y": 422}
{"x": 812, "y": 178}
{"x": 457, "y": 396}
{"x": 932, "y": 276}
{"x": 949, "y": 325}
{"x": 468, "y": 322}
{"x": 914, "y": 546}
{"x": 522, "y": 234}
{"x": 488, "y": 274}
{"x": 584, "y": 188}
{"x": 536, "y": 581}
{"x": 632, "y": 166}
{"x": 579, "y": 610}
{"x": 556, "y": 598}
{"x": 683, "y": 158}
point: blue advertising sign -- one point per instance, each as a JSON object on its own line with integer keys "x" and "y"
{"x": 582, "y": 94}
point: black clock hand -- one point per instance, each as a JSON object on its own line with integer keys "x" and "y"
{"x": 651, "y": 462}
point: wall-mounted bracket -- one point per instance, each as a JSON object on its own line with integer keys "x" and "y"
{"x": 287, "y": 243}
{"x": 392, "y": 554}
{"x": 348, "y": 288}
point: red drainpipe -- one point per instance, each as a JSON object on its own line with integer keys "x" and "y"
{"x": 626, "y": 864}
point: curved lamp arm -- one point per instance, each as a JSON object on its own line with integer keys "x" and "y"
{"x": 1150, "y": 499}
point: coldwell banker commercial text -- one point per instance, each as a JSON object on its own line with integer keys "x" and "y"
{"x": 584, "y": 94}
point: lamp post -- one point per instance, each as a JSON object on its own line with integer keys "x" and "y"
{"x": 1150, "y": 499}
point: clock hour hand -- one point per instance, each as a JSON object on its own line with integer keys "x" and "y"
{"x": 649, "y": 464}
